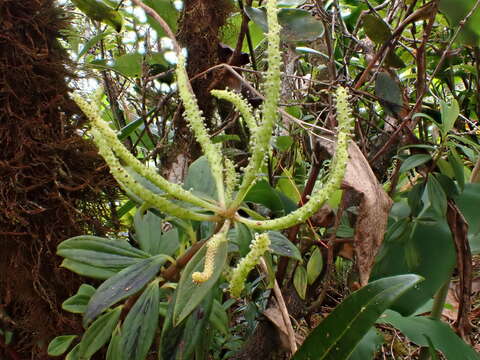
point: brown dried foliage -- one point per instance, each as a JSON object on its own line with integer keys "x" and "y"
{"x": 53, "y": 184}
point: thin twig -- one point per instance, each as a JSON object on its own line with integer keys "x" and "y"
{"x": 283, "y": 309}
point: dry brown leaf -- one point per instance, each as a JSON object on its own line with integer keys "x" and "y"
{"x": 373, "y": 211}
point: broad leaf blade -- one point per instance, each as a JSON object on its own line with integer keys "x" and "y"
{"x": 100, "y": 252}
{"x": 77, "y": 303}
{"x": 60, "y": 344}
{"x": 337, "y": 336}
{"x": 449, "y": 115}
{"x": 414, "y": 161}
{"x": 280, "y": 245}
{"x": 98, "y": 333}
{"x": 141, "y": 323}
{"x": 441, "y": 335}
{"x": 127, "y": 282}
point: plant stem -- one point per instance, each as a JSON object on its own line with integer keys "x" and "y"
{"x": 436, "y": 313}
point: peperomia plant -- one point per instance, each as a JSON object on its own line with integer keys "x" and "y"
{"x": 135, "y": 275}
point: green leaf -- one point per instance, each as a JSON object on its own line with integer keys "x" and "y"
{"x": 77, "y": 303}
{"x": 468, "y": 202}
{"x": 128, "y": 129}
{"x": 297, "y": 24}
{"x": 60, "y": 344}
{"x": 141, "y": 323}
{"x": 127, "y": 282}
{"x": 300, "y": 281}
{"x": 200, "y": 179}
{"x": 92, "y": 42}
{"x": 436, "y": 196}
{"x": 376, "y": 29}
{"x": 263, "y": 193}
{"x": 98, "y": 333}
{"x": 219, "y": 318}
{"x": 189, "y": 293}
{"x": 368, "y": 346}
{"x": 88, "y": 270}
{"x": 337, "y": 336}
{"x": 99, "y": 11}
{"x": 413, "y": 161}
{"x": 167, "y": 10}
{"x": 442, "y": 336}
{"x": 283, "y": 143}
{"x": 180, "y": 342}
{"x": 100, "y": 252}
{"x": 431, "y": 349}
{"x": 449, "y": 115}
{"x": 73, "y": 354}
{"x": 388, "y": 93}
{"x": 457, "y": 165}
{"x": 456, "y": 11}
{"x": 115, "y": 351}
{"x": 280, "y": 245}
{"x": 394, "y": 61}
{"x": 149, "y": 235}
{"x": 243, "y": 238}
{"x": 433, "y": 245}
{"x": 314, "y": 266}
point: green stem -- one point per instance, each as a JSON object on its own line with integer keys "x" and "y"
{"x": 438, "y": 304}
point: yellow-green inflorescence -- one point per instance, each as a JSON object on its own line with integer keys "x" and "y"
{"x": 111, "y": 139}
{"x": 258, "y": 247}
{"x": 240, "y": 104}
{"x": 128, "y": 183}
{"x": 212, "y": 247}
{"x": 335, "y": 176}
{"x": 195, "y": 119}
{"x": 271, "y": 88}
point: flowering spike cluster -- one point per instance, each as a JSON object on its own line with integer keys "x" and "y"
{"x": 271, "y": 87}
{"x": 212, "y": 247}
{"x": 335, "y": 176}
{"x": 195, "y": 119}
{"x": 92, "y": 113}
{"x": 258, "y": 247}
{"x": 240, "y": 104}
{"x": 128, "y": 183}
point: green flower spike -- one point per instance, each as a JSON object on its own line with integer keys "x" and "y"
{"x": 195, "y": 119}
{"x": 92, "y": 113}
{"x": 271, "y": 88}
{"x": 335, "y": 177}
{"x": 240, "y": 104}
{"x": 128, "y": 183}
{"x": 212, "y": 247}
{"x": 258, "y": 247}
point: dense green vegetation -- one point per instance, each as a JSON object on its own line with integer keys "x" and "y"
{"x": 298, "y": 180}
